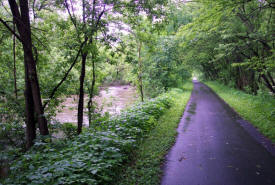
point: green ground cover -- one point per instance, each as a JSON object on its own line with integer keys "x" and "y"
{"x": 258, "y": 110}
{"x": 147, "y": 160}
{"x": 99, "y": 153}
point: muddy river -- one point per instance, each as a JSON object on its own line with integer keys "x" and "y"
{"x": 111, "y": 99}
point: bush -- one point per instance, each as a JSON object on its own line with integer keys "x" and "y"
{"x": 95, "y": 156}
{"x": 12, "y": 141}
{"x": 69, "y": 129}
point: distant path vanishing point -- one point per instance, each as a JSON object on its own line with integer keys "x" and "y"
{"x": 212, "y": 148}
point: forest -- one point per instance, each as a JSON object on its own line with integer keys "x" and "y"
{"x": 53, "y": 49}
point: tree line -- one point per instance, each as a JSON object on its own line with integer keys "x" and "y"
{"x": 52, "y": 49}
{"x": 59, "y": 48}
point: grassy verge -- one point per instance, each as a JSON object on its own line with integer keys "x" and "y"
{"x": 148, "y": 158}
{"x": 258, "y": 110}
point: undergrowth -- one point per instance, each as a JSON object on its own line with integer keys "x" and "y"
{"x": 258, "y": 110}
{"x": 97, "y": 155}
{"x": 146, "y": 162}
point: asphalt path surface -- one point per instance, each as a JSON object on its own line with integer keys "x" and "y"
{"x": 213, "y": 148}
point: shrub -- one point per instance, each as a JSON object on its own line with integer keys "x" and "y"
{"x": 12, "y": 141}
{"x": 69, "y": 129}
{"x": 95, "y": 156}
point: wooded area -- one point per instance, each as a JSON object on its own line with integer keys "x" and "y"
{"x": 51, "y": 49}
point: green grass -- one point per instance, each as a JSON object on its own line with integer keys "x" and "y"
{"x": 147, "y": 160}
{"x": 258, "y": 110}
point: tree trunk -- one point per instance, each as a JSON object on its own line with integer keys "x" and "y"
{"x": 32, "y": 74}
{"x": 91, "y": 95}
{"x": 42, "y": 122}
{"x": 29, "y": 113}
{"x": 14, "y": 62}
{"x": 253, "y": 83}
{"x": 81, "y": 93}
{"x": 22, "y": 21}
{"x": 140, "y": 72}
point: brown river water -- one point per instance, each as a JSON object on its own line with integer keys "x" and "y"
{"x": 111, "y": 99}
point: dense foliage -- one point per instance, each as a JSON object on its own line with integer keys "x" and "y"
{"x": 233, "y": 42}
{"x": 93, "y": 157}
{"x": 76, "y": 48}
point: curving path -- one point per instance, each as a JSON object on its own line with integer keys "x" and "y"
{"x": 212, "y": 148}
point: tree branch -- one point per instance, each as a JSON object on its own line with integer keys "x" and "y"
{"x": 10, "y": 29}
{"x": 66, "y": 74}
{"x": 72, "y": 17}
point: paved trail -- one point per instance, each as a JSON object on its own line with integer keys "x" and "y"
{"x": 213, "y": 149}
